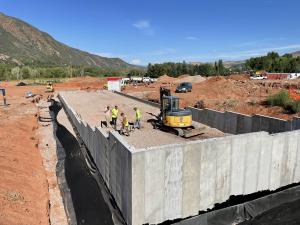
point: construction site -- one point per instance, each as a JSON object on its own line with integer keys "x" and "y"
{"x": 245, "y": 154}
{"x": 164, "y": 113}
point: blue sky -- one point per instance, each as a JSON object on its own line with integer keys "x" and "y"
{"x": 166, "y": 30}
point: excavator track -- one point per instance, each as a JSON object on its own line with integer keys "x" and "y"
{"x": 189, "y": 132}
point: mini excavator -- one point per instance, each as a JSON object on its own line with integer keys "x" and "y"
{"x": 174, "y": 119}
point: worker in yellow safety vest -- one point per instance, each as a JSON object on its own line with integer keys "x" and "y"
{"x": 138, "y": 116}
{"x": 125, "y": 125}
{"x": 114, "y": 117}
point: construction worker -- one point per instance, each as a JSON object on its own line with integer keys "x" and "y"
{"x": 114, "y": 117}
{"x": 4, "y": 96}
{"x": 138, "y": 116}
{"x": 125, "y": 125}
{"x": 50, "y": 86}
{"x": 107, "y": 116}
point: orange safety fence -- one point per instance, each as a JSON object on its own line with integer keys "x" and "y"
{"x": 294, "y": 95}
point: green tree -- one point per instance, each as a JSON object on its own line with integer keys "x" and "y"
{"x": 16, "y": 73}
{"x": 272, "y": 62}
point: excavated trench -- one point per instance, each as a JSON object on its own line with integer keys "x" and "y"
{"x": 87, "y": 197}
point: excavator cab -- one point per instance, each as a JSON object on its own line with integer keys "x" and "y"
{"x": 174, "y": 119}
{"x": 172, "y": 115}
{"x": 170, "y": 103}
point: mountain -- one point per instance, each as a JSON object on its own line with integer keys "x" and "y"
{"x": 234, "y": 64}
{"x": 296, "y": 54}
{"x": 227, "y": 64}
{"x": 23, "y": 44}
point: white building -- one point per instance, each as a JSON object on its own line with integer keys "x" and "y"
{"x": 114, "y": 83}
{"x": 294, "y": 76}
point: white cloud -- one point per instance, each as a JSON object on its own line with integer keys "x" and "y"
{"x": 287, "y": 47}
{"x": 260, "y": 42}
{"x": 257, "y": 52}
{"x": 191, "y": 38}
{"x": 110, "y": 54}
{"x": 144, "y": 26}
{"x": 136, "y": 62}
{"x": 238, "y": 55}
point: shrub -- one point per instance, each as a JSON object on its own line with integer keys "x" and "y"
{"x": 283, "y": 99}
{"x": 280, "y": 99}
{"x": 295, "y": 107}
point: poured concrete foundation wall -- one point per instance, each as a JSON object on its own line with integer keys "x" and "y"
{"x": 236, "y": 123}
{"x": 157, "y": 105}
{"x": 177, "y": 181}
{"x": 112, "y": 157}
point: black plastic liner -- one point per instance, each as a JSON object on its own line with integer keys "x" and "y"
{"x": 280, "y": 208}
{"x": 285, "y": 214}
{"x": 89, "y": 205}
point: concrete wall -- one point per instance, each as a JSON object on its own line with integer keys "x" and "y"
{"x": 139, "y": 99}
{"x": 112, "y": 157}
{"x": 177, "y": 181}
{"x": 237, "y": 123}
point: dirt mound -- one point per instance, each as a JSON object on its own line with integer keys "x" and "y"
{"x": 83, "y": 83}
{"x": 183, "y": 76}
{"x": 233, "y": 93}
{"x": 166, "y": 79}
{"x": 239, "y": 77}
{"x": 192, "y": 79}
{"x": 215, "y": 79}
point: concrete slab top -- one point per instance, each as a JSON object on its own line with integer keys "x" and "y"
{"x": 91, "y": 106}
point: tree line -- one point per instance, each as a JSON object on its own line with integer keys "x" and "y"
{"x": 275, "y": 63}
{"x": 177, "y": 69}
{"x": 272, "y": 62}
{"x": 13, "y": 72}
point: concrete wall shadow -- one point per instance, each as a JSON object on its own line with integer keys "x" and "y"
{"x": 87, "y": 200}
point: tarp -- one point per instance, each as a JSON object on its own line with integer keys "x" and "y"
{"x": 265, "y": 210}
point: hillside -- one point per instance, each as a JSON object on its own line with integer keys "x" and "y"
{"x": 233, "y": 64}
{"x": 22, "y": 43}
{"x": 296, "y": 54}
{"x": 227, "y": 64}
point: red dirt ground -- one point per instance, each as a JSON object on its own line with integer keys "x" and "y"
{"x": 23, "y": 186}
{"x": 234, "y": 93}
{"x": 24, "y": 197}
{"x": 81, "y": 83}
